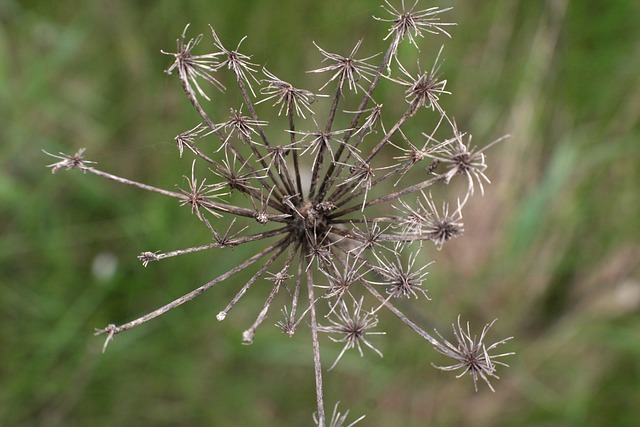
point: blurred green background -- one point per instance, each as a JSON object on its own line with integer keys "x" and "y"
{"x": 552, "y": 249}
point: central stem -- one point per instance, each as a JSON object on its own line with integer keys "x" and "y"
{"x": 316, "y": 350}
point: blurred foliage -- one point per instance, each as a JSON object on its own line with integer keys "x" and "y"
{"x": 552, "y": 249}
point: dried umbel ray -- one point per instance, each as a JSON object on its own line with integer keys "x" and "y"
{"x": 311, "y": 196}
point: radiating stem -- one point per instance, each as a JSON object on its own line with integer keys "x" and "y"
{"x": 248, "y": 335}
{"x": 131, "y": 183}
{"x": 385, "y": 302}
{"x": 346, "y": 188}
{"x": 382, "y": 237}
{"x": 203, "y": 114}
{"x": 296, "y": 164}
{"x": 335, "y": 168}
{"x": 231, "y": 242}
{"x": 334, "y": 105}
{"x": 317, "y": 164}
{"x": 263, "y": 136}
{"x": 112, "y": 330}
{"x": 388, "y": 197}
{"x": 327, "y": 131}
{"x": 278, "y": 248}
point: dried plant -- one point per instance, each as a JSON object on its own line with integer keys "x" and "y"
{"x": 312, "y": 198}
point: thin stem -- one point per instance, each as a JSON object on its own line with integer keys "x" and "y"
{"x": 316, "y": 350}
{"x": 278, "y": 248}
{"x": 296, "y": 291}
{"x": 346, "y": 188}
{"x": 385, "y": 302}
{"x": 248, "y": 335}
{"x": 336, "y": 167}
{"x": 286, "y": 173}
{"x": 215, "y": 129}
{"x": 252, "y": 110}
{"x": 279, "y": 191}
{"x": 335, "y": 197}
{"x": 204, "y": 157}
{"x": 317, "y": 164}
{"x": 327, "y": 131}
{"x": 249, "y": 213}
{"x": 388, "y": 197}
{"x": 112, "y": 330}
{"x": 263, "y": 136}
{"x": 381, "y": 237}
{"x": 364, "y": 220}
{"x": 334, "y": 106}
{"x": 216, "y": 245}
{"x": 132, "y": 183}
{"x": 296, "y": 163}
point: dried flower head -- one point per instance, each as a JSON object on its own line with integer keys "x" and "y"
{"x": 462, "y": 159}
{"x": 352, "y": 328}
{"x": 321, "y": 205}
{"x": 346, "y": 68}
{"x": 236, "y": 61}
{"x": 288, "y": 97}
{"x": 188, "y": 138}
{"x": 471, "y": 354}
{"x": 193, "y": 67}
{"x": 67, "y": 162}
{"x": 411, "y": 23}
{"x": 425, "y": 88}
{"x": 426, "y": 221}
{"x": 401, "y": 280}
{"x": 341, "y": 278}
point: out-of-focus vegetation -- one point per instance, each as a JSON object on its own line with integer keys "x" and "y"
{"x": 552, "y": 249}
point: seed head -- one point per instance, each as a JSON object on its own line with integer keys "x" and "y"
{"x": 346, "y": 68}
{"x": 288, "y": 97}
{"x": 313, "y": 203}
{"x": 193, "y": 67}
{"x": 69, "y": 162}
{"x": 352, "y": 328}
{"x": 411, "y": 23}
{"x": 471, "y": 354}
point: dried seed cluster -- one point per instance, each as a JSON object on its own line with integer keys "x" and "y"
{"x": 309, "y": 195}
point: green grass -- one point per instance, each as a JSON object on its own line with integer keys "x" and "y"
{"x": 552, "y": 249}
